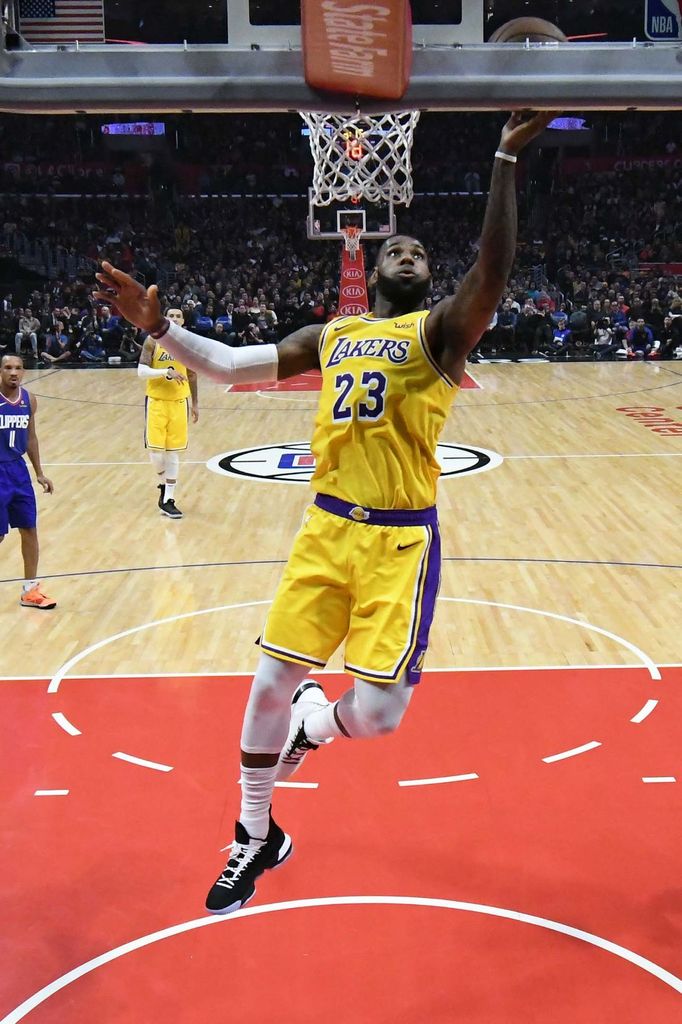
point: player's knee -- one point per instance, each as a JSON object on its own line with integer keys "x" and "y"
{"x": 381, "y": 719}
{"x": 266, "y": 695}
{"x": 379, "y": 710}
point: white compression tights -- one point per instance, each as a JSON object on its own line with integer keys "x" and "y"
{"x": 364, "y": 710}
{"x": 166, "y": 463}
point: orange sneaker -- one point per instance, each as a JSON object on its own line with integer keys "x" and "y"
{"x": 35, "y": 598}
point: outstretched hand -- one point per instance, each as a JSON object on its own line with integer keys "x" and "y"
{"x": 523, "y": 126}
{"x": 136, "y": 303}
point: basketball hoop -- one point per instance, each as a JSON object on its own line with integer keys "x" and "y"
{"x": 351, "y": 240}
{"x": 362, "y": 155}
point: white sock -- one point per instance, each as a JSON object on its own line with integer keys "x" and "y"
{"x": 169, "y": 491}
{"x": 257, "y": 787}
{"x": 322, "y": 725}
{"x": 28, "y": 585}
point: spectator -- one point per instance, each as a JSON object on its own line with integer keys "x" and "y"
{"x": 505, "y": 332}
{"x": 561, "y": 339}
{"x": 604, "y": 345}
{"x": 130, "y": 347}
{"x": 56, "y": 343}
{"x": 109, "y": 330}
{"x": 670, "y": 337}
{"x": 527, "y": 323}
{"x": 640, "y": 341}
{"x": 92, "y": 348}
{"x": 59, "y": 349}
{"x": 27, "y": 331}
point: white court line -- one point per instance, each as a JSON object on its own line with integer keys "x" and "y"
{"x": 185, "y": 462}
{"x": 652, "y": 669}
{"x": 435, "y": 782}
{"x": 68, "y": 665}
{"x": 645, "y": 711}
{"x": 141, "y": 761}
{"x": 571, "y": 753}
{"x": 333, "y": 672}
{"x": 659, "y": 778}
{"x": 607, "y": 455}
{"x": 291, "y": 397}
{"x": 291, "y": 785}
{"x": 285, "y": 396}
{"x": 60, "y": 983}
{"x": 51, "y": 792}
{"x": 63, "y": 722}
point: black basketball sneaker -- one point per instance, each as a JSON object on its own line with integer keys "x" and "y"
{"x": 249, "y": 858}
{"x": 170, "y": 509}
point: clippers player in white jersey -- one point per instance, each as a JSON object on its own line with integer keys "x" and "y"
{"x": 17, "y": 500}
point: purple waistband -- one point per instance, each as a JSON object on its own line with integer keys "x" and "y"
{"x": 378, "y": 516}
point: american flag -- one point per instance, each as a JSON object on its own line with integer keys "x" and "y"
{"x": 62, "y": 21}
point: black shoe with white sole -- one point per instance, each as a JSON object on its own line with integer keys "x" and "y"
{"x": 170, "y": 509}
{"x": 249, "y": 858}
{"x": 162, "y": 491}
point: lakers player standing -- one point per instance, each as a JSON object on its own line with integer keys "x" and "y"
{"x": 169, "y": 386}
{"x": 364, "y": 568}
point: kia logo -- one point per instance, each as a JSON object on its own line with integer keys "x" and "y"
{"x": 352, "y": 274}
{"x": 353, "y": 291}
{"x": 350, "y": 309}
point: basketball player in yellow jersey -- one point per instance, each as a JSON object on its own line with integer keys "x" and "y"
{"x": 169, "y": 386}
{"x": 364, "y": 568}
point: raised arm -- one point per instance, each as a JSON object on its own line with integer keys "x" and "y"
{"x": 297, "y": 353}
{"x": 456, "y": 324}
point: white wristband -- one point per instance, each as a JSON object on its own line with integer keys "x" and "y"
{"x": 505, "y": 156}
{"x": 220, "y": 362}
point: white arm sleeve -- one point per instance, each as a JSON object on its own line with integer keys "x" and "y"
{"x": 146, "y": 372}
{"x": 220, "y": 362}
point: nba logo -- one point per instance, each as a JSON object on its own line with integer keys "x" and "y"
{"x": 663, "y": 19}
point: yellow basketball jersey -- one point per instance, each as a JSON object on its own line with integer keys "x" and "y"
{"x": 383, "y": 404}
{"x": 159, "y": 387}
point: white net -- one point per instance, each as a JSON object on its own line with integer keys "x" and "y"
{"x": 351, "y": 240}
{"x": 368, "y": 156}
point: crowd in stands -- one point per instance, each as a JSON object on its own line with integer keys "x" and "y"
{"x": 598, "y": 271}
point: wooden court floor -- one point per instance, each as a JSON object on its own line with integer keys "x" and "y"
{"x": 580, "y": 519}
{"x": 512, "y": 851}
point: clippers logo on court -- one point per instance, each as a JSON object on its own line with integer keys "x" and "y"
{"x": 663, "y": 19}
{"x": 295, "y": 464}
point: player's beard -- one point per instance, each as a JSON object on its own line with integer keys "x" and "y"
{"x": 406, "y": 295}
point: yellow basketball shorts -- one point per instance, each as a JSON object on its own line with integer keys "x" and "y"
{"x": 366, "y": 576}
{"x": 166, "y": 424}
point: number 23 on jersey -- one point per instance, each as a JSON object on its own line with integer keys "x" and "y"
{"x": 369, "y": 402}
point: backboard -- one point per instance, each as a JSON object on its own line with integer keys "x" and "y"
{"x": 377, "y": 220}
